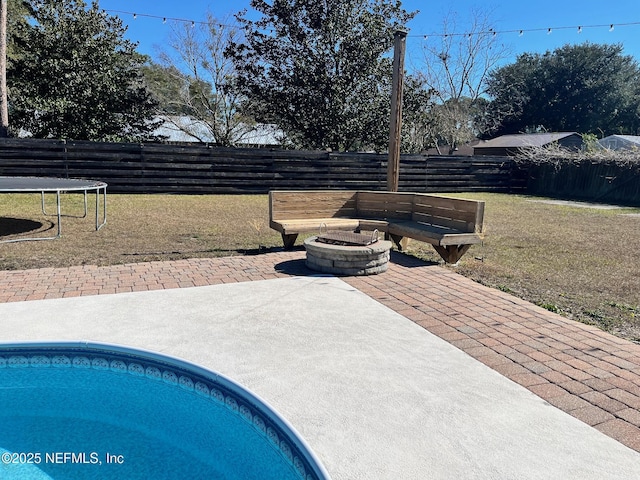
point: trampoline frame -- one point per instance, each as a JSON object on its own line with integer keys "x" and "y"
{"x": 45, "y": 185}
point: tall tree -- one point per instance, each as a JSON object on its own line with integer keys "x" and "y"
{"x": 165, "y": 84}
{"x": 76, "y": 77}
{"x": 317, "y": 69}
{"x": 200, "y": 79}
{"x": 456, "y": 65}
{"x": 4, "y": 108}
{"x": 587, "y": 88}
{"x": 418, "y": 123}
{"x": 12, "y": 13}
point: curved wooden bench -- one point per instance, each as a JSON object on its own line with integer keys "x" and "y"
{"x": 451, "y": 225}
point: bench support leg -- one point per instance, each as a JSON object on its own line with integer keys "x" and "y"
{"x": 289, "y": 240}
{"x": 400, "y": 241}
{"x": 451, "y": 253}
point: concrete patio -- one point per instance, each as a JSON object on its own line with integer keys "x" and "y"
{"x": 415, "y": 373}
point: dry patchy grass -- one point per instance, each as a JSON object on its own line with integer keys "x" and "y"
{"x": 139, "y": 228}
{"x": 580, "y": 262}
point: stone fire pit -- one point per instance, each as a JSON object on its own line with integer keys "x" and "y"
{"x": 345, "y": 258}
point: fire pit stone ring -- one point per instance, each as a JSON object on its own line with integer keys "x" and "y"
{"x": 347, "y": 259}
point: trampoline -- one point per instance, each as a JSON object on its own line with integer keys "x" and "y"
{"x": 57, "y": 186}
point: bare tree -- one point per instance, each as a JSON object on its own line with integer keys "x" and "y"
{"x": 206, "y": 97}
{"x": 456, "y": 65}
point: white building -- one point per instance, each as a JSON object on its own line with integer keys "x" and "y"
{"x": 184, "y": 129}
{"x": 621, "y": 142}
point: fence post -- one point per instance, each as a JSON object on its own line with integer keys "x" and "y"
{"x": 66, "y": 157}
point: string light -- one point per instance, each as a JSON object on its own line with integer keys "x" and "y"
{"x": 521, "y": 32}
{"x": 164, "y": 19}
{"x": 491, "y": 31}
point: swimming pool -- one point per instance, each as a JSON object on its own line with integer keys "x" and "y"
{"x": 96, "y": 411}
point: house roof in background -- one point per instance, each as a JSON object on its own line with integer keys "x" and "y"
{"x": 620, "y": 141}
{"x": 175, "y": 128}
{"x": 524, "y": 140}
{"x": 184, "y": 129}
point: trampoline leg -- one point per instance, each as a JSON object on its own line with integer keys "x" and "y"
{"x": 104, "y": 208}
{"x": 44, "y": 208}
{"x": 59, "y": 214}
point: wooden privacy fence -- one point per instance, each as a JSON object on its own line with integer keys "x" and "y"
{"x": 204, "y": 169}
{"x": 604, "y": 182}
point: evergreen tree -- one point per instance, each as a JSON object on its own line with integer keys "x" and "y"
{"x": 319, "y": 71}
{"x": 587, "y": 88}
{"x": 74, "y": 76}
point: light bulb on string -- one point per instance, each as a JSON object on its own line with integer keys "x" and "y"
{"x": 520, "y": 32}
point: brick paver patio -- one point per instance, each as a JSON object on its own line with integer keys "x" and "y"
{"x": 580, "y": 369}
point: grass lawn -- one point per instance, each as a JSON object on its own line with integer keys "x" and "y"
{"x": 580, "y": 262}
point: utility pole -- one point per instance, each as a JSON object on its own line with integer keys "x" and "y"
{"x": 393, "y": 165}
{"x": 4, "y": 108}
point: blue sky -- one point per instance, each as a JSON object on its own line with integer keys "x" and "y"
{"x": 534, "y": 18}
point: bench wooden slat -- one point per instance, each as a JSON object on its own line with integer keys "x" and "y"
{"x": 460, "y": 225}
{"x": 370, "y": 224}
{"x": 386, "y": 197}
{"x": 384, "y": 214}
{"x": 385, "y": 205}
{"x": 433, "y": 235}
{"x": 467, "y": 215}
{"x": 313, "y": 225}
{"x": 455, "y": 213}
{"x": 461, "y": 239}
{"x": 449, "y": 203}
{"x": 317, "y": 211}
{"x": 312, "y": 204}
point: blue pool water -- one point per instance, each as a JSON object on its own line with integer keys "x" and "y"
{"x": 76, "y": 412}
